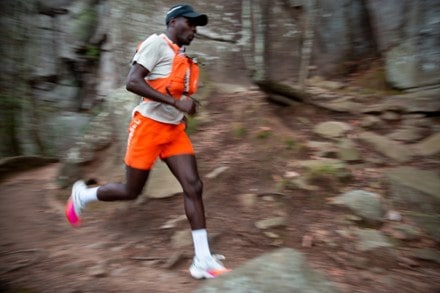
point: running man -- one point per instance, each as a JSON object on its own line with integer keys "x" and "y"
{"x": 165, "y": 78}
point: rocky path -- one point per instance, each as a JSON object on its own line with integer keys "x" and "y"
{"x": 270, "y": 174}
{"x": 41, "y": 253}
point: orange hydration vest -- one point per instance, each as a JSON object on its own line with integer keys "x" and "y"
{"x": 183, "y": 78}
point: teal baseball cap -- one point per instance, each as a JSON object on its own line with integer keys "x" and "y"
{"x": 187, "y": 11}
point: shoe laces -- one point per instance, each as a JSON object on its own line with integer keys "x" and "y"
{"x": 78, "y": 203}
{"x": 214, "y": 262}
{"x": 219, "y": 257}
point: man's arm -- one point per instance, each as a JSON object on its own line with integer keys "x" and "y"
{"x": 136, "y": 84}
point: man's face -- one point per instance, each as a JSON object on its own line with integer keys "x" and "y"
{"x": 185, "y": 30}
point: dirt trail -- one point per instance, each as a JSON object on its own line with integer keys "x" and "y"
{"x": 121, "y": 247}
{"x": 42, "y": 253}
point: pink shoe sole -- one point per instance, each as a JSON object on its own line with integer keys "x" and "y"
{"x": 216, "y": 273}
{"x": 71, "y": 216}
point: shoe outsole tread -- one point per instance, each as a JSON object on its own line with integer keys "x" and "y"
{"x": 72, "y": 215}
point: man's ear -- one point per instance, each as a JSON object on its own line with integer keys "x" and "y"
{"x": 172, "y": 22}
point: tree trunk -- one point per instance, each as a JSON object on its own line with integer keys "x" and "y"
{"x": 307, "y": 46}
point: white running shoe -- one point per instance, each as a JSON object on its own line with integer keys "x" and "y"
{"x": 75, "y": 206}
{"x": 210, "y": 267}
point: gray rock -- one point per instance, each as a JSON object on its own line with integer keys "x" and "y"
{"x": 429, "y": 146}
{"x": 98, "y": 271}
{"x": 405, "y": 232}
{"x": 49, "y": 45}
{"x": 215, "y": 173}
{"x": 417, "y": 120}
{"x": 284, "y": 270}
{"x": 408, "y": 133}
{"x": 302, "y": 183}
{"x": 181, "y": 239}
{"x": 392, "y": 215}
{"x": 401, "y": 69}
{"x": 248, "y": 200}
{"x": 428, "y": 222}
{"x": 427, "y": 254}
{"x": 322, "y": 149}
{"x": 365, "y": 204}
{"x": 323, "y": 164}
{"x": 341, "y": 106}
{"x": 97, "y": 137}
{"x": 390, "y": 116}
{"x": 348, "y": 152}
{"x": 412, "y": 63}
{"x": 415, "y": 189}
{"x": 387, "y": 147}
{"x": 270, "y": 223}
{"x": 322, "y": 167}
{"x": 162, "y": 183}
{"x": 332, "y": 129}
{"x": 371, "y": 122}
{"x": 422, "y": 101}
{"x": 370, "y": 239}
{"x": 172, "y": 223}
{"x": 389, "y": 17}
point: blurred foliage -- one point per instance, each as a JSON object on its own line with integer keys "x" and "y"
{"x": 238, "y": 130}
{"x": 263, "y": 133}
{"x": 291, "y": 144}
{"x": 10, "y": 108}
{"x": 93, "y": 52}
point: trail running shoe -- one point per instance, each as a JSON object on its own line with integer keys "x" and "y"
{"x": 210, "y": 267}
{"x": 75, "y": 206}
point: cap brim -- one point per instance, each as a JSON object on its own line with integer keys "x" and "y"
{"x": 198, "y": 19}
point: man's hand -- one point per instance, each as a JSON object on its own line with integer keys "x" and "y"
{"x": 187, "y": 105}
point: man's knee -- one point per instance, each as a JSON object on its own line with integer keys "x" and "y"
{"x": 132, "y": 196}
{"x": 193, "y": 188}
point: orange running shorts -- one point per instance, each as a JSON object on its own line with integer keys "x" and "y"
{"x": 149, "y": 139}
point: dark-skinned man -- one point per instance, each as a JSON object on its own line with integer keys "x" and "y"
{"x": 165, "y": 77}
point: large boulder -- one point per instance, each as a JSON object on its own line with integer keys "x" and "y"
{"x": 284, "y": 270}
{"x": 418, "y": 190}
{"x": 408, "y": 33}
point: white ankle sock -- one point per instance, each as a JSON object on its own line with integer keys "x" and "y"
{"x": 201, "y": 246}
{"x": 89, "y": 195}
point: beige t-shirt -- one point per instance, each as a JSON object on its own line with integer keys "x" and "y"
{"x": 157, "y": 57}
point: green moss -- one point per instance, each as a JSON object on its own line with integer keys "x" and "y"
{"x": 290, "y": 144}
{"x": 263, "y": 134}
{"x": 93, "y": 52}
{"x": 239, "y": 131}
{"x": 317, "y": 171}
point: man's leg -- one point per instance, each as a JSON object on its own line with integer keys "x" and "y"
{"x": 135, "y": 182}
{"x": 82, "y": 195}
{"x": 184, "y": 167}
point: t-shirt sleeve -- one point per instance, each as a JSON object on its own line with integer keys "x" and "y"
{"x": 148, "y": 54}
